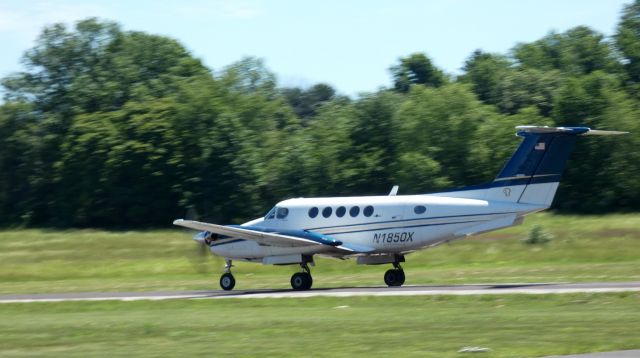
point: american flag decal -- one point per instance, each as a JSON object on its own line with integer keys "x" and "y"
{"x": 539, "y": 146}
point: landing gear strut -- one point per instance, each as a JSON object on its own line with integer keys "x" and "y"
{"x": 227, "y": 281}
{"x": 301, "y": 281}
{"x": 395, "y": 276}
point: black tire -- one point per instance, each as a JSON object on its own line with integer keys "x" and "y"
{"x": 227, "y": 281}
{"x": 301, "y": 281}
{"x": 394, "y": 277}
{"x": 400, "y": 277}
{"x": 309, "y": 281}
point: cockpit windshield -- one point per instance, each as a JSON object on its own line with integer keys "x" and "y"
{"x": 271, "y": 214}
{"x": 277, "y": 212}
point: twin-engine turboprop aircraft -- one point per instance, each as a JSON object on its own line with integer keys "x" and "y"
{"x": 383, "y": 229}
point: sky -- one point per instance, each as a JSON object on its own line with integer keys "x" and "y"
{"x": 349, "y": 44}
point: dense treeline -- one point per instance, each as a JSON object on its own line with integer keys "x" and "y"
{"x": 107, "y": 127}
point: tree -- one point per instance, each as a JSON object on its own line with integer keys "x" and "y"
{"x": 97, "y": 67}
{"x": 627, "y": 39}
{"x": 520, "y": 88}
{"x": 414, "y": 69}
{"x": 485, "y": 71}
{"x": 577, "y": 51}
{"x": 598, "y": 101}
{"x": 20, "y": 161}
{"x": 439, "y": 124}
{"x": 305, "y": 102}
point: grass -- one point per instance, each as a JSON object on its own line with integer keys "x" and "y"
{"x": 421, "y": 326}
{"x": 584, "y": 248}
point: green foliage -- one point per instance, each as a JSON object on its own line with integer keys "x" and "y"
{"x": 577, "y": 51}
{"x": 440, "y": 123}
{"x": 107, "y": 127}
{"x": 416, "y": 69}
{"x": 628, "y": 39}
{"x": 485, "y": 72}
{"x": 537, "y": 236}
{"x": 305, "y": 103}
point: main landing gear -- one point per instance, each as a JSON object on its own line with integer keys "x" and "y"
{"x": 395, "y": 276}
{"x": 301, "y": 281}
{"x": 227, "y": 281}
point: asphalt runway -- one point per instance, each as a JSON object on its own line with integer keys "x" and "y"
{"x": 476, "y": 289}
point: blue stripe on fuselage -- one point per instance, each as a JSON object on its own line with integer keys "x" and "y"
{"x": 404, "y": 227}
{"x": 398, "y": 221}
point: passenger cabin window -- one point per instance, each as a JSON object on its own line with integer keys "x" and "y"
{"x": 340, "y": 211}
{"x": 420, "y": 209}
{"x": 326, "y": 212}
{"x": 313, "y": 212}
{"x": 354, "y": 211}
{"x": 368, "y": 211}
{"x": 282, "y": 213}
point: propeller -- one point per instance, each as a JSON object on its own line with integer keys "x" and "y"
{"x": 201, "y": 255}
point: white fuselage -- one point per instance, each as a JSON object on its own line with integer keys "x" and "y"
{"x": 389, "y": 224}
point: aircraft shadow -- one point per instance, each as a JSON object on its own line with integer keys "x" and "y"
{"x": 220, "y": 293}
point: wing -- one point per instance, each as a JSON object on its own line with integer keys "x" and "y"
{"x": 268, "y": 236}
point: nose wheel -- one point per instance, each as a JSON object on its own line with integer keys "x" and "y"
{"x": 395, "y": 276}
{"x": 227, "y": 281}
{"x": 301, "y": 281}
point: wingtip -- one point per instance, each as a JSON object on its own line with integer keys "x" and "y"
{"x": 178, "y": 221}
{"x": 603, "y": 132}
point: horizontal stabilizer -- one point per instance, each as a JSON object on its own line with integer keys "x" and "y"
{"x": 599, "y": 132}
{"x": 566, "y": 130}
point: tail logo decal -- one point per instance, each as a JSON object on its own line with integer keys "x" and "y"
{"x": 507, "y": 192}
{"x": 540, "y": 146}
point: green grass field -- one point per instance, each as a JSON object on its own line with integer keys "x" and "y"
{"x": 423, "y": 326}
{"x": 584, "y": 249}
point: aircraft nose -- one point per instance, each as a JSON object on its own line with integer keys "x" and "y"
{"x": 199, "y": 237}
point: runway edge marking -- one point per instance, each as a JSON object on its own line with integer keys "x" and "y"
{"x": 308, "y": 294}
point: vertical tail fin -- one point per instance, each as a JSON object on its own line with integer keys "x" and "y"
{"x": 532, "y": 175}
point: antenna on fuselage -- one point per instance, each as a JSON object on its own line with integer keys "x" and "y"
{"x": 394, "y": 190}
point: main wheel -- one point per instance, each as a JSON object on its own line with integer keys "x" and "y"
{"x": 301, "y": 281}
{"x": 227, "y": 282}
{"x": 394, "y": 277}
{"x": 400, "y": 277}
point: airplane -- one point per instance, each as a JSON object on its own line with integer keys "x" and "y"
{"x": 378, "y": 230}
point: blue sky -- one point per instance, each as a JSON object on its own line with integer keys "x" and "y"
{"x": 348, "y": 44}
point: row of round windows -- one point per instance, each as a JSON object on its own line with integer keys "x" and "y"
{"x": 354, "y": 211}
{"x": 341, "y": 211}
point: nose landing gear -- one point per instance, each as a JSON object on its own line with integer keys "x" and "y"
{"x": 227, "y": 281}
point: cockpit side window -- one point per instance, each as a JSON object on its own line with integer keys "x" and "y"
{"x": 282, "y": 213}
